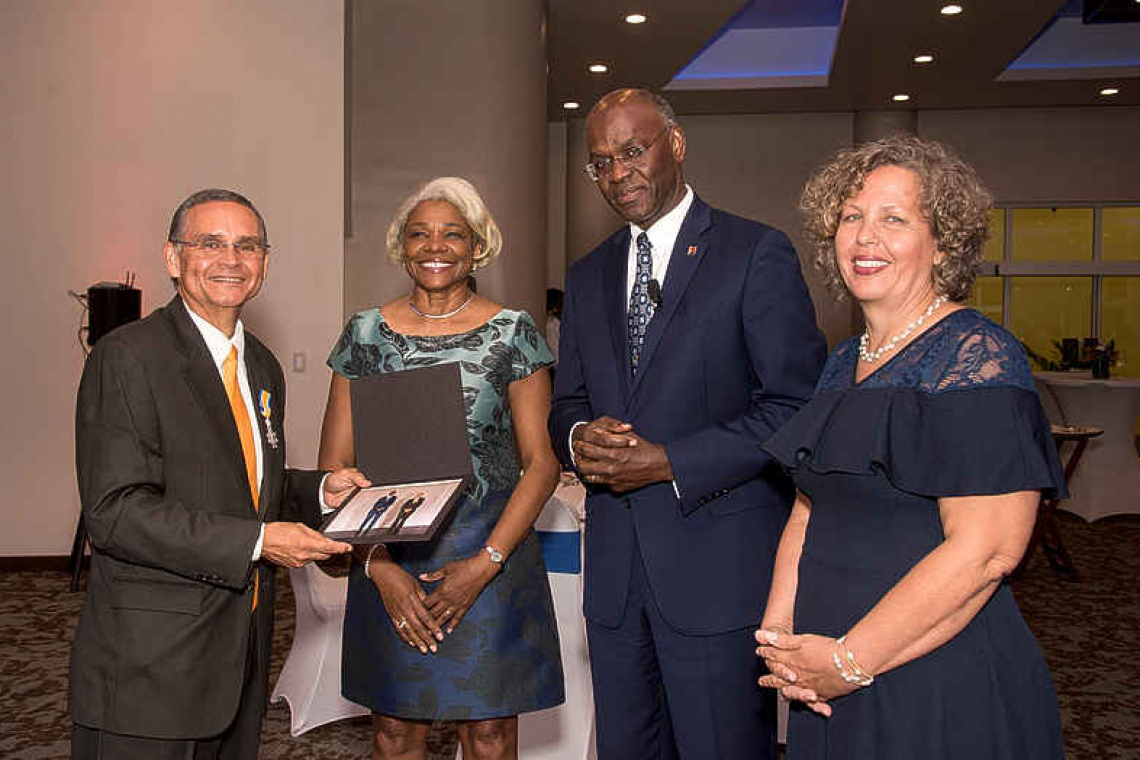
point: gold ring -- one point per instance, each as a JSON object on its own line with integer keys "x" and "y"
{"x": 402, "y": 624}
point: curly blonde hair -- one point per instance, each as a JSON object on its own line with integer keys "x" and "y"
{"x": 953, "y": 200}
{"x": 466, "y": 199}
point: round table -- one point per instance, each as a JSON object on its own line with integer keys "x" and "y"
{"x": 1108, "y": 479}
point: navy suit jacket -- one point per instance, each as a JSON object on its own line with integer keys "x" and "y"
{"x": 732, "y": 352}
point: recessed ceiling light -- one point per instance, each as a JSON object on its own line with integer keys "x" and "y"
{"x": 951, "y": 10}
{"x": 1111, "y": 90}
{"x": 924, "y": 58}
{"x": 640, "y": 18}
{"x": 598, "y": 68}
{"x": 902, "y": 96}
{"x": 571, "y": 105}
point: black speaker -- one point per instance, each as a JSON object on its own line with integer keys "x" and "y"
{"x": 110, "y": 304}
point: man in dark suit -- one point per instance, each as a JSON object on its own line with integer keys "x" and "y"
{"x": 688, "y": 337}
{"x": 180, "y": 453}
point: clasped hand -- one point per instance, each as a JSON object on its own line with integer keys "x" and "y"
{"x": 802, "y": 668}
{"x": 608, "y": 452}
{"x": 418, "y": 617}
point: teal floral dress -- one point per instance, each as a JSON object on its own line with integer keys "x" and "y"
{"x": 503, "y": 657}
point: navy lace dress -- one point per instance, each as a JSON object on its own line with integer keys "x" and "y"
{"x": 953, "y": 414}
{"x": 503, "y": 657}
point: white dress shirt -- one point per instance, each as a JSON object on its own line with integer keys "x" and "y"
{"x": 662, "y": 236}
{"x": 218, "y": 344}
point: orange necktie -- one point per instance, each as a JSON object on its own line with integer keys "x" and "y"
{"x": 245, "y": 433}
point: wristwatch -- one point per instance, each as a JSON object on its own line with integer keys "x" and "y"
{"x": 496, "y": 555}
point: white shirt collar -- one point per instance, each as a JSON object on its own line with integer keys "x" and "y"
{"x": 216, "y": 341}
{"x": 662, "y": 236}
{"x": 663, "y": 233}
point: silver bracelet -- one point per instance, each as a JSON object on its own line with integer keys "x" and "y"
{"x": 368, "y": 561}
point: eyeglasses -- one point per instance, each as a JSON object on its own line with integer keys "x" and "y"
{"x": 216, "y": 246}
{"x": 629, "y": 157}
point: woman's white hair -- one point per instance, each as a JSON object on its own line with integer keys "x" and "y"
{"x": 465, "y": 198}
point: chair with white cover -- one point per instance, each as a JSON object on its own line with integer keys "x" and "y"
{"x": 310, "y": 679}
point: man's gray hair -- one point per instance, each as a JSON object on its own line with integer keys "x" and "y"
{"x": 655, "y": 99}
{"x": 212, "y": 195}
{"x": 663, "y": 107}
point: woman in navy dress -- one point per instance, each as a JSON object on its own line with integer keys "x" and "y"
{"x": 461, "y": 627}
{"x": 919, "y": 463}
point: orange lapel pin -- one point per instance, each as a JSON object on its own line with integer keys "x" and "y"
{"x": 692, "y": 251}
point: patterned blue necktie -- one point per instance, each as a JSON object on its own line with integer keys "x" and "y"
{"x": 640, "y": 307}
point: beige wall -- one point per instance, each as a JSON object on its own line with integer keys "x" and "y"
{"x": 556, "y": 206}
{"x": 755, "y": 166}
{"x": 449, "y": 89}
{"x": 111, "y": 113}
{"x": 1028, "y": 155}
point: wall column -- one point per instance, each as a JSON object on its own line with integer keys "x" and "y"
{"x": 874, "y": 125}
{"x": 448, "y": 89}
{"x": 589, "y": 219}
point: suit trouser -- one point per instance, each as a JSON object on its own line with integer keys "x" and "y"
{"x": 239, "y": 741}
{"x": 662, "y": 694}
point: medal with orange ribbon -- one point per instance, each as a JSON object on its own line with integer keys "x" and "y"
{"x": 265, "y": 406}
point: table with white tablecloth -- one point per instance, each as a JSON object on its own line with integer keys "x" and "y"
{"x": 1107, "y": 481}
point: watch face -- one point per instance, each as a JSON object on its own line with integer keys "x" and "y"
{"x": 496, "y": 555}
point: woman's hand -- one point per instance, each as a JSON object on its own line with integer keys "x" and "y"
{"x": 780, "y": 676}
{"x": 404, "y": 598}
{"x": 809, "y": 660}
{"x": 460, "y": 583}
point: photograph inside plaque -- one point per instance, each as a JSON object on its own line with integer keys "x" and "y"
{"x": 401, "y": 512}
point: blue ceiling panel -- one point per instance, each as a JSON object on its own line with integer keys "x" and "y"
{"x": 769, "y": 44}
{"x": 1068, "y": 48}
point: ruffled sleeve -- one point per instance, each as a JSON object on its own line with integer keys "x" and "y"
{"x": 975, "y": 441}
{"x": 530, "y": 352}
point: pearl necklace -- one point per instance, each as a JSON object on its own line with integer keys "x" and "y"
{"x": 873, "y": 356}
{"x": 451, "y": 313}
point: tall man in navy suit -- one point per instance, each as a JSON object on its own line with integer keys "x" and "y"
{"x": 688, "y": 337}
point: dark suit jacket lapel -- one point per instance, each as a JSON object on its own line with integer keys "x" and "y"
{"x": 206, "y": 386}
{"x": 614, "y": 271}
{"x": 694, "y": 236}
{"x": 271, "y": 455}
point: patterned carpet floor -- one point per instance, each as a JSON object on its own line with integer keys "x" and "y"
{"x": 1089, "y": 632}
